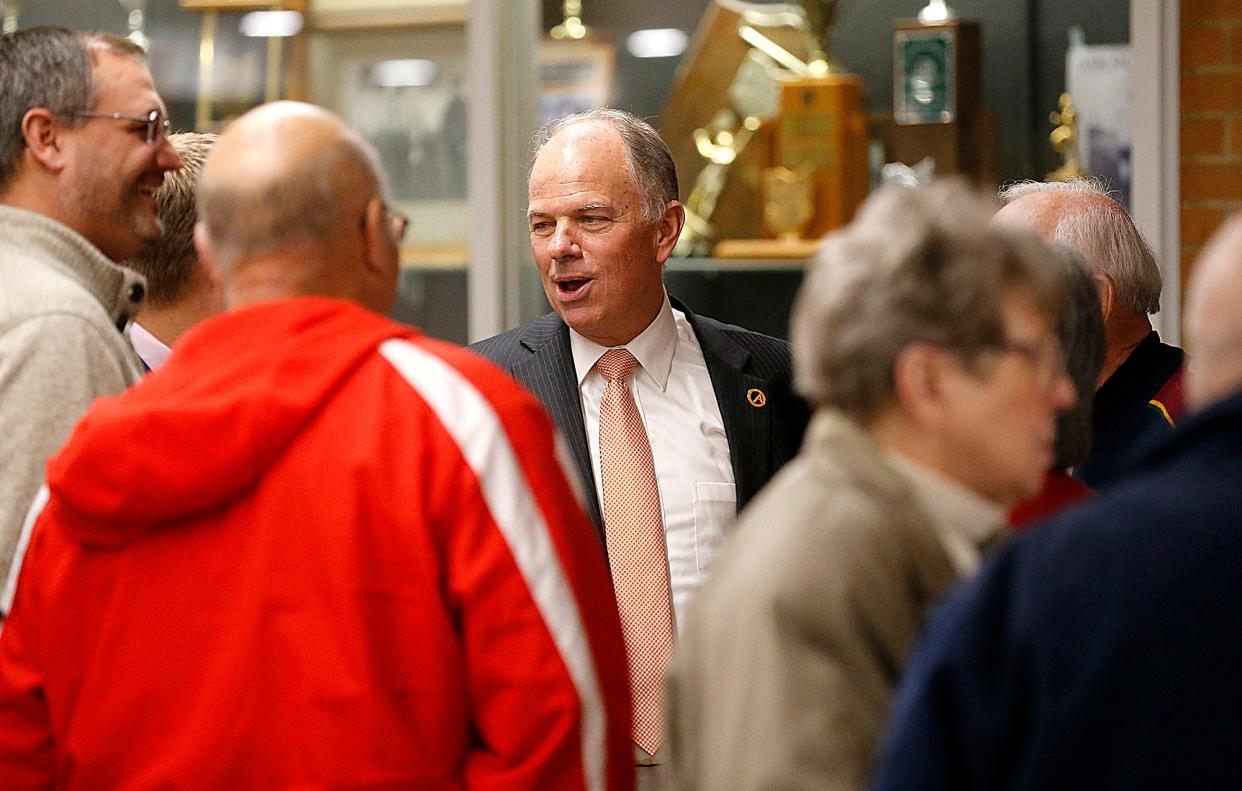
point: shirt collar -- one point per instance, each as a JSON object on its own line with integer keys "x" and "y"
{"x": 151, "y": 349}
{"x": 957, "y": 511}
{"x": 653, "y": 348}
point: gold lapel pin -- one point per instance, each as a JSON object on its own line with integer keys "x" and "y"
{"x": 756, "y": 397}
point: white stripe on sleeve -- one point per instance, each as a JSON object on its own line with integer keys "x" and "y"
{"x": 472, "y": 423}
{"x": 19, "y": 553}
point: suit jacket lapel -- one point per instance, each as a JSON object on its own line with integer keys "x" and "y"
{"x": 747, "y": 427}
{"x": 549, "y": 374}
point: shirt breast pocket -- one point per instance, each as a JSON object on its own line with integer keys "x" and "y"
{"x": 715, "y": 508}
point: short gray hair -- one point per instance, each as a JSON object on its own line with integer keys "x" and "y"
{"x": 50, "y": 67}
{"x": 1081, "y": 332}
{"x": 1103, "y": 231}
{"x": 303, "y": 205}
{"x": 915, "y": 266}
{"x": 648, "y": 159}
{"x": 169, "y": 262}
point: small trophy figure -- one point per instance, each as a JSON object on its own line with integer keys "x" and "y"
{"x": 572, "y": 27}
{"x": 819, "y": 20}
{"x": 788, "y": 201}
{"x": 936, "y": 12}
{"x": 1064, "y": 139}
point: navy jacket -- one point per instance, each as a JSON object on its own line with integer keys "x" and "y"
{"x": 1125, "y": 418}
{"x": 1103, "y": 649}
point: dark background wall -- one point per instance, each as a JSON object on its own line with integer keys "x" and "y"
{"x": 1023, "y": 60}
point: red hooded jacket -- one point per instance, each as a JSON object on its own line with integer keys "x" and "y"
{"x": 315, "y": 550}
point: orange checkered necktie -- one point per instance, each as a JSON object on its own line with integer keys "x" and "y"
{"x": 634, "y": 531}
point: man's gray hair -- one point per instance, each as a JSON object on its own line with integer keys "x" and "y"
{"x": 1081, "y": 332}
{"x": 169, "y": 262}
{"x": 1103, "y": 231}
{"x": 303, "y": 205}
{"x": 50, "y": 67}
{"x": 648, "y": 159}
{"x": 915, "y": 266}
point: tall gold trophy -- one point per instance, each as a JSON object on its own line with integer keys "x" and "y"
{"x": 757, "y": 93}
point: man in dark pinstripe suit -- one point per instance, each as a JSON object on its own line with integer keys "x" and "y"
{"x": 715, "y": 400}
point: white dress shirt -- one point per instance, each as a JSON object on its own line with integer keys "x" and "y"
{"x": 694, "y": 472}
{"x": 150, "y": 348}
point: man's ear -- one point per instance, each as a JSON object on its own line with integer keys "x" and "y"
{"x": 670, "y": 226}
{"x": 1107, "y": 290}
{"x": 42, "y": 133}
{"x": 377, "y": 237}
{"x": 202, "y": 246}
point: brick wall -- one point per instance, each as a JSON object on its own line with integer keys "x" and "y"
{"x": 1211, "y": 119}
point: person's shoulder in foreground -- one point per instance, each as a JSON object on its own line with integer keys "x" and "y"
{"x": 1101, "y": 651}
{"x": 344, "y": 552}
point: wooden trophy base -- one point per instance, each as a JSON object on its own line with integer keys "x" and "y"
{"x": 765, "y": 248}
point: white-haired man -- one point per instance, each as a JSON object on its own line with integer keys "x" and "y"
{"x": 1140, "y": 393}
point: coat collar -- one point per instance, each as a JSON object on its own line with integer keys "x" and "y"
{"x": 119, "y": 290}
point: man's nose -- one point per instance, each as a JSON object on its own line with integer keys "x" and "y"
{"x": 563, "y": 243}
{"x": 167, "y": 157}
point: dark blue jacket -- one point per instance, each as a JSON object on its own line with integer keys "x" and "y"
{"x": 1101, "y": 650}
{"x": 1126, "y": 420}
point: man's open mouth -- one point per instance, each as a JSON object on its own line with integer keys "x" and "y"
{"x": 571, "y": 286}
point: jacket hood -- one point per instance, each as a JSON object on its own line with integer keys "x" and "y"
{"x": 204, "y": 429}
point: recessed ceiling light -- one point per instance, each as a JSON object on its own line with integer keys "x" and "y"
{"x": 656, "y": 42}
{"x": 271, "y": 24}
{"x": 406, "y": 73}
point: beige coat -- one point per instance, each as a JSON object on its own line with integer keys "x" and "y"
{"x": 63, "y": 306}
{"x": 792, "y": 651}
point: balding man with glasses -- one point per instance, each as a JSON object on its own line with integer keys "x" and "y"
{"x": 83, "y": 148}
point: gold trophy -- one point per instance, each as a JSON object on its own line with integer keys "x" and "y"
{"x": 1064, "y": 139}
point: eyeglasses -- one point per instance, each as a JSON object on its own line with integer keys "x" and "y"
{"x": 1047, "y": 356}
{"x": 157, "y": 125}
{"x": 399, "y": 223}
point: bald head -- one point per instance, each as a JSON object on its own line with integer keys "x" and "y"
{"x": 290, "y": 185}
{"x": 1080, "y": 214}
{"x": 1214, "y": 318}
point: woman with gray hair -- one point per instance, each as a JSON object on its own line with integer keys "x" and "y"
{"x": 927, "y": 340}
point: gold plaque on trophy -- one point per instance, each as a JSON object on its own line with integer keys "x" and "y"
{"x": 788, "y": 201}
